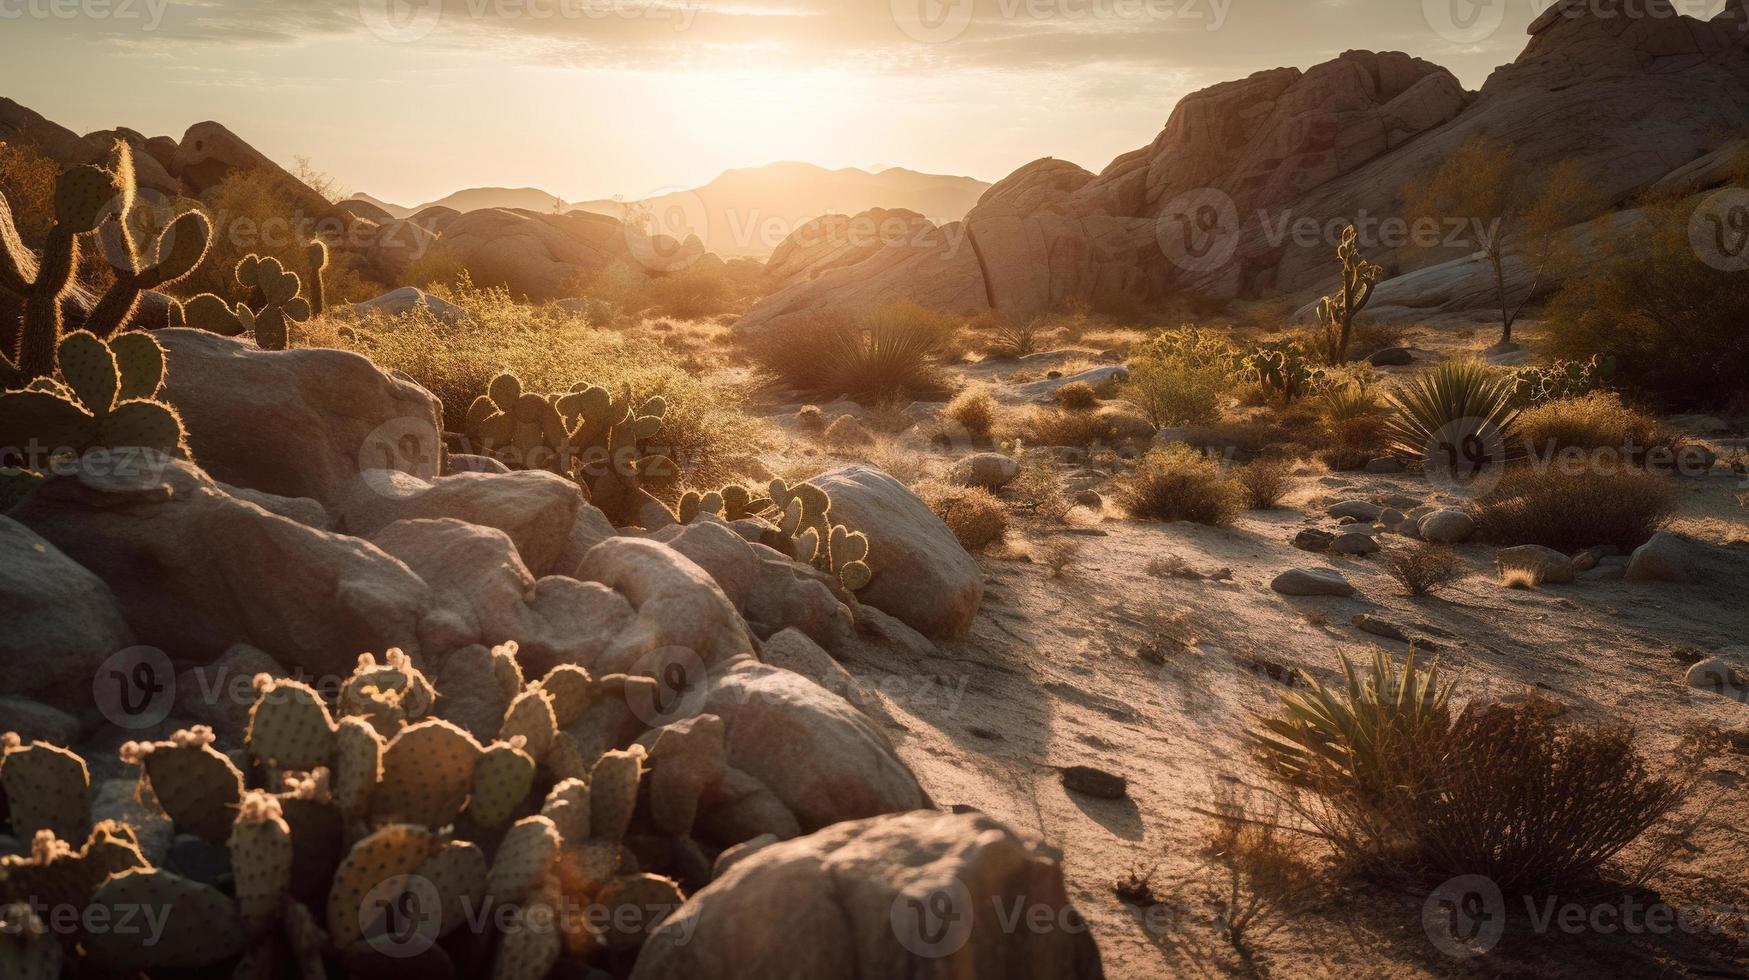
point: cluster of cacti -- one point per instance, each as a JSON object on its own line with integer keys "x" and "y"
{"x": 178, "y": 251}
{"x": 85, "y": 197}
{"x": 1563, "y": 379}
{"x": 586, "y": 433}
{"x": 344, "y": 842}
{"x": 832, "y": 548}
{"x": 276, "y": 294}
{"x": 104, "y": 397}
{"x": 1336, "y": 312}
{"x": 731, "y": 503}
{"x": 1283, "y": 372}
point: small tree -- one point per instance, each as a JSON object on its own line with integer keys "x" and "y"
{"x": 1479, "y": 182}
{"x": 1336, "y": 312}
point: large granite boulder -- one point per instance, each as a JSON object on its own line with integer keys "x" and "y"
{"x": 62, "y": 621}
{"x": 196, "y": 570}
{"x": 910, "y": 895}
{"x": 922, "y": 575}
{"x": 296, "y": 423}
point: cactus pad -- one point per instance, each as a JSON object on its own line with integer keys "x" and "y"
{"x": 613, "y": 792}
{"x": 502, "y": 779}
{"x": 47, "y": 788}
{"x": 201, "y": 925}
{"x": 195, "y": 784}
{"x": 527, "y": 854}
{"x": 369, "y": 871}
{"x": 289, "y": 725}
{"x": 428, "y": 772}
{"x": 261, "y": 857}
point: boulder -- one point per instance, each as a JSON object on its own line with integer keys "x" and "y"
{"x": 1360, "y": 510}
{"x": 683, "y": 618}
{"x": 1312, "y": 582}
{"x": 1446, "y": 527}
{"x": 921, "y": 573}
{"x": 794, "y": 651}
{"x": 62, "y": 621}
{"x": 1392, "y": 357}
{"x": 220, "y": 694}
{"x": 296, "y": 423}
{"x": 196, "y": 571}
{"x": 1665, "y": 558}
{"x": 1354, "y": 543}
{"x": 1718, "y": 676}
{"x": 819, "y": 755}
{"x": 33, "y": 721}
{"x": 909, "y": 895}
{"x": 540, "y": 511}
{"x": 992, "y": 471}
{"x": 1313, "y": 540}
{"x": 1546, "y": 564}
{"x": 409, "y": 298}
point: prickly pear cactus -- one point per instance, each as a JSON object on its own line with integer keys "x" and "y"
{"x": 105, "y": 397}
{"x": 47, "y": 788}
{"x": 260, "y": 845}
{"x": 358, "y": 766}
{"x": 613, "y": 792}
{"x": 531, "y": 719}
{"x": 201, "y": 925}
{"x": 368, "y": 873}
{"x": 317, "y": 254}
{"x": 175, "y": 253}
{"x": 832, "y": 548}
{"x": 528, "y": 853}
{"x": 210, "y": 313}
{"x": 195, "y": 784}
{"x": 648, "y": 899}
{"x": 289, "y": 725}
{"x": 28, "y": 951}
{"x": 502, "y": 780}
{"x": 281, "y": 304}
{"x": 567, "y": 806}
{"x": 570, "y": 689}
{"x": 731, "y": 503}
{"x": 428, "y": 771}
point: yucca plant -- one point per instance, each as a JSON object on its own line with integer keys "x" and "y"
{"x": 1459, "y": 416}
{"x": 1353, "y": 739}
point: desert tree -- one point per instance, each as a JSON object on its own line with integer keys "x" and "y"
{"x": 1337, "y": 311}
{"x": 1509, "y": 211}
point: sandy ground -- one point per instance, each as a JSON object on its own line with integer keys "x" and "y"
{"x": 1155, "y": 679}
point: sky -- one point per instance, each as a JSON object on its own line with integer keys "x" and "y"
{"x": 409, "y": 100}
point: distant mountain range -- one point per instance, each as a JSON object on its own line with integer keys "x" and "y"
{"x": 745, "y": 212}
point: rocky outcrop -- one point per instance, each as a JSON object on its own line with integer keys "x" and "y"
{"x": 916, "y": 894}
{"x": 296, "y": 423}
{"x": 62, "y": 621}
{"x": 542, "y": 256}
{"x": 1246, "y": 189}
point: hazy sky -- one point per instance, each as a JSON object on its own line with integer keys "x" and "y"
{"x": 411, "y": 99}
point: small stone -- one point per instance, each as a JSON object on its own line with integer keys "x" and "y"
{"x": 1665, "y": 558}
{"x": 1589, "y": 559}
{"x": 1392, "y": 517}
{"x": 992, "y": 471}
{"x": 1090, "y": 499}
{"x": 1719, "y": 677}
{"x": 1312, "y": 582}
{"x": 1313, "y": 540}
{"x": 1097, "y": 783}
{"x": 1380, "y": 627}
{"x": 1358, "y": 509}
{"x": 1548, "y": 565}
{"x": 1446, "y": 527}
{"x": 1354, "y": 543}
{"x": 1392, "y": 357}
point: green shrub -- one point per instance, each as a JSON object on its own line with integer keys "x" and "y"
{"x": 890, "y": 354}
{"x": 1672, "y": 323}
{"x": 1459, "y": 414}
{"x": 1179, "y": 484}
{"x": 1175, "y": 389}
{"x": 1572, "y": 509}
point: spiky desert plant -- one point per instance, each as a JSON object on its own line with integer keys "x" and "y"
{"x": 84, "y": 197}
{"x": 731, "y": 503}
{"x": 202, "y": 925}
{"x": 1337, "y": 311}
{"x": 260, "y": 845}
{"x": 613, "y": 463}
{"x": 210, "y": 313}
{"x": 1282, "y": 372}
{"x": 47, "y": 788}
{"x": 195, "y": 784}
{"x": 178, "y": 251}
{"x": 1460, "y": 414}
{"x": 832, "y": 548}
{"x": 317, "y": 251}
{"x": 105, "y": 397}
{"x": 1355, "y": 736}
{"x": 281, "y": 303}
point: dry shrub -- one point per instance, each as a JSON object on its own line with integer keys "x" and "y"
{"x": 1265, "y": 482}
{"x": 27, "y": 180}
{"x": 1399, "y": 783}
{"x": 1423, "y": 568}
{"x": 811, "y": 418}
{"x": 1264, "y": 882}
{"x": 1371, "y": 337}
{"x": 1057, "y": 555}
{"x": 1520, "y": 577}
{"x": 1353, "y": 427}
{"x": 1055, "y": 427}
{"x": 974, "y": 515}
{"x": 1180, "y": 484}
{"x": 846, "y": 431}
{"x": 890, "y": 354}
{"x": 1012, "y": 342}
{"x": 1077, "y": 396}
{"x": 1597, "y": 421}
{"x": 1038, "y": 490}
{"x": 1570, "y": 510}
{"x": 973, "y": 410}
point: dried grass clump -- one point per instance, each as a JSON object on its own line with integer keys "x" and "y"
{"x": 890, "y": 354}
{"x": 1597, "y": 421}
{"x": 973, "y": 410}
{"x": 1077, "y": 396}
{"x": 974, "y": 515}
{"x": 1423, "y": 568}
{"x": 1058, "y": 555}
{"x": 1265, "y": 482}
{"x": 1179, "y": 484}
{"x": 847, "y": 432}
{"x": 1038, "y": 490}
{"x": 1013, "y": 342}
{"x": 1570, "y": 511}
{"x": 1056, "y": 427}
